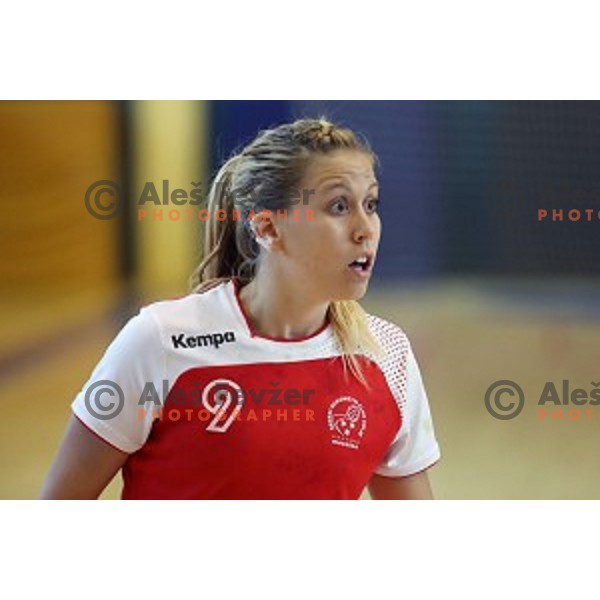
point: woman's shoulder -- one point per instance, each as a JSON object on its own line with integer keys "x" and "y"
{"x": 392, "y": 340}
{"x": 187, "y": 309}
{"x": 386, "y": 332}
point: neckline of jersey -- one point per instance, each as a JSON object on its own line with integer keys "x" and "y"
{"x": 235, "y": 287}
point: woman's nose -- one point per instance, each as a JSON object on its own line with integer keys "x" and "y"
{"x": 364, "y": 229}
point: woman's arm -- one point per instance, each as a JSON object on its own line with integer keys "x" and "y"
{"x": 413, "y": 487}
{"x": 83, "y": 467}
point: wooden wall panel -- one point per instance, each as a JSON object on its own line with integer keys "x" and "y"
{"x": 50, "y": 152}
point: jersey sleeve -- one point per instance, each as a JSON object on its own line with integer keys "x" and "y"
{"x": 132, "y": 368}
{"x": 415, "y": 448}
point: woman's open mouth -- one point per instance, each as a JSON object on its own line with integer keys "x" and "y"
{"x": 362, "y": 266}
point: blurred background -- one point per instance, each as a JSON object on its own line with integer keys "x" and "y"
{"x": 484, "y": 289}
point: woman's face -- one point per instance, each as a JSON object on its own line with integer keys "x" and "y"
{"x": 323, "y": 251}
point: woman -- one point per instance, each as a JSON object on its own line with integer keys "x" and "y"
{"x": 269, "y": 381}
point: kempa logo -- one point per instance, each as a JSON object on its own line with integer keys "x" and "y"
{"x": 201, "y": 341}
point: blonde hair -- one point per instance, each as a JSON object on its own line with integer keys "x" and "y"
{"x": 264, "y": 175}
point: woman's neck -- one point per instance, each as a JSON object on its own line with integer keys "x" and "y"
{"x": 280, "y": 308}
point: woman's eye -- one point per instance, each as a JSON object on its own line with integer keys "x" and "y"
{"x": 372, "y": 204}
{"x": 339, "y": 206}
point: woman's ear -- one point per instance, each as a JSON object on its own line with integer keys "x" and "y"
{"x": 265, "y": 230}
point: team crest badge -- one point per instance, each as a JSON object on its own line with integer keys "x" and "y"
{"x": 347, "y": 422}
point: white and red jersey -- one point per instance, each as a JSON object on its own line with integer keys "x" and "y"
{"x": 207, "y": 408}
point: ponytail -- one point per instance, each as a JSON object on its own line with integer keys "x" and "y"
{"x": 224, "y": 256}
{"x": 352, "y": 333}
